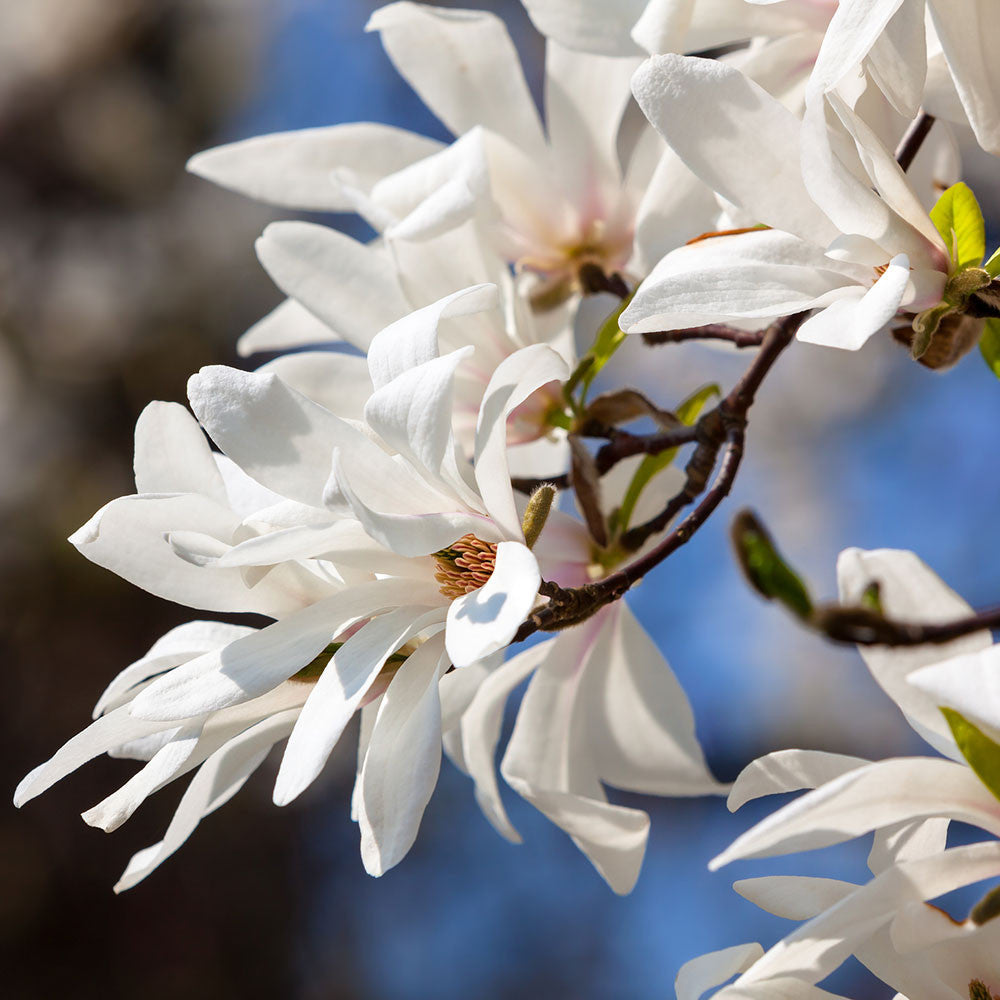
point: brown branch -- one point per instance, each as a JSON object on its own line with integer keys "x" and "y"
{"x": 593, "y": 279}
{"x": 723, "y": 426}
{"x": 914, "y": 138}
{"x": 711, "y": 331}
{"x": 864, "y": 627}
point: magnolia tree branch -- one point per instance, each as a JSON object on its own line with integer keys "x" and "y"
{"x": 914, "y": 138}
{"x": 864, "y": 627}
{"x": 722, "y": 428}
{"x": 711, "y": 331}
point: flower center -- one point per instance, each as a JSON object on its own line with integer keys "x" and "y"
{"x": 978, "y": 990}
{"x": 464, "y": 566}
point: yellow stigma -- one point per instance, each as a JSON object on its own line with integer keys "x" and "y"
{"x": 464, "y": 566}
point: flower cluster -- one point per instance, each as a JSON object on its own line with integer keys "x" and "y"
{"x": 425, "y": 475}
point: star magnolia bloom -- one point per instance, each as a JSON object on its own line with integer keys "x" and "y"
{"x": 253, "y": 532}
{"x": 908, "y": 802}
{"x": 855, "y": 251}
{"x": 549, "y": 199}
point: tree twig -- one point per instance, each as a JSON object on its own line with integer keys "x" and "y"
{"x": 914, "y": 138}
{"x": 711, "y": 331}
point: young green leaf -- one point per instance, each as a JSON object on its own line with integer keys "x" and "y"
{"x": 688, "y": 412}
{"x": 982, "y": 753}
{"x": 609, "y": 338}
{"x": 959, "y": 220}
{"x": 764, "y": 567}
{"x": 992, "y": 266}
{"x": 989, "y": 345}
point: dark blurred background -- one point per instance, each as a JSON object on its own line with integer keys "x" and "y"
{"x": 119, "y": 277}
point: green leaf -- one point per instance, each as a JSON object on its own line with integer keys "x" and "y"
{"x": 989, "y": 345}
{"x": 992, "y": 266}
{"x": 764, "y": 567}
{"x": 959, "y": 220}
{"x": 688, "y": 412}
{"x": 977, "y": 748}
{"x": 609, "y": 338}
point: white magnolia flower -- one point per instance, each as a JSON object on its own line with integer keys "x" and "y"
{"x": 848, "y": 236}
{"x": 548, "y": 199}
{"x": 251, "y": 530}
{"x": 908, "y": 802}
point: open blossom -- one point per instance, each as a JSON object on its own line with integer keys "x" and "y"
{"x": 855, "y": 251}
{"x": 908, "y": 802}
{"x": 547, "y": 199}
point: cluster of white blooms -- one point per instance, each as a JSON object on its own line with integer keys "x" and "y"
{"x": 387, "y": 492}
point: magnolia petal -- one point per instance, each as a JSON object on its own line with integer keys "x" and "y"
{"x": 338, "y": 382}
{"x": 850, "y": 322}
{"x": 430, "y": 47}
{"x": 750, "y": 155}
{"x": 287, "y": 326}
{"x": 298, "y": 169}
{"x": 698, "y": 975}
{"x": 789, "y": 771}
{"x": 513, "y": 381}
{"x": 880, "y": 794}
{"x": 897, "y": 61}
{"x": 641, "y": 726}
{"x": 413, "y": 339}
{"x": 794, "y": 897}
{"x": 275, "y": 434}
{"x": 217, "y": 781}
{"x": 969, "y": 684}
{"x": 352, "y": 288}
{"x": 172, "y": 648}
{"x": 970, "y": 37}
{"x": 909, "y": 591}
{"x": 102, "y": 735}
{"x": 403, "y": 760}
{"x": 128, "y": 537}
{"x": 588, "y": 25}
{"x": 481, "y": 731}
{"x": 259, "y": 662}
{"x": 485, "y": 620}
{"x": 907, "y": 842}
{"x": 339, "y": 692}
{"x": 172, "y": 455}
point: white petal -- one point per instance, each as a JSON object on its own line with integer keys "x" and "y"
{"x": 898, "y": 59}
{"x": 259, "y": 662}
{"x": 275, "y": 434}
{"x": 641, "y": 727}
{"x": 909, "y": 591}
{"x": 128, "y": 537}
{"x": 481, "y": 731}
{"x": 464, "y": 67}
{"x": 907, "y": 842}
{"x": 887, "y": 792}
{"x": 969, "y": 684}
{"x": 403, "y": 760}
{"x": 172, "y": 455}
{"x": 413, "y": 339}
{"x": 513, "y": 381}
{"x": 700, "y": 974}
{"x": 338, "y": 693}
{"x": 297, "y": 169}
{"x": 350, "y": 287}
{"x": 338, "y": 382}
{"x": 287, "y": 325}
{"x": 849, "y": 323}
{"x": 216, "y": 782}
{"x": 794, "y": 897}
{"x": 103, "y": 734}
{"x": 750, "y": 155}
{"x": 789, "y": 771}
{"x": 485, "y": 621}
{"x": 588, "y": 25}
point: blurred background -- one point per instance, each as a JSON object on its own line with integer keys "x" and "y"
{"x": 119, "y": 277}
